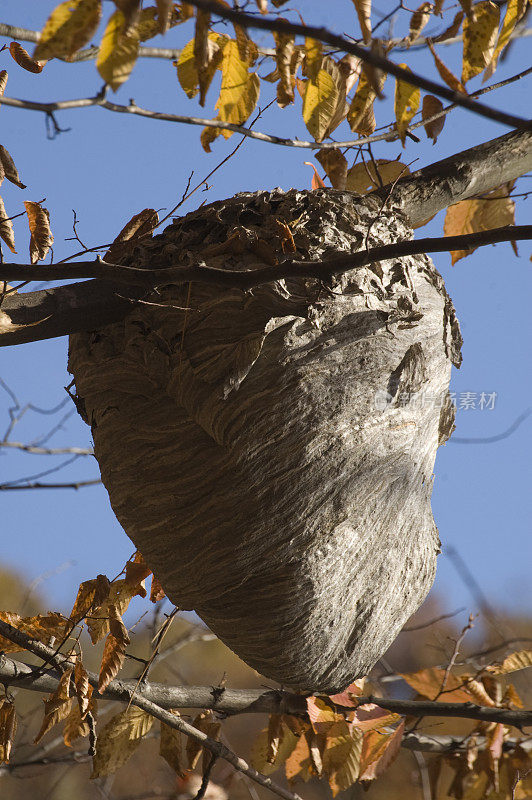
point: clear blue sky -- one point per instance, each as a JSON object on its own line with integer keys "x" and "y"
{"x": 110, "y": 166}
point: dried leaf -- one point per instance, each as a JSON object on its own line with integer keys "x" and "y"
{"x": 348, "y": 771}
{"x": 3, "y": 81}
{"x": 480, "y": 36}
{"x": 57, "y": 706}
{"x": 363, "y": 8}
{"x": 120, "y": 594}
{"x": 522, "y": 658}
{"x": 299, "y": 763}
{"x": 136, "y": 568}
{"x": 205, "y": 722}
{"x": 114, "y": 650}
{"x": 478, "y": 692}
{"x": 262, "y": 749}
{"x": 432, "y": 106}
{"x": 284, "y": 52}
{"x": 76, "y": 724}
{"x": 452, "y": 30}
{"x": 91, "y": 594}
{"x": 379, "y": 752}
{"x": 23, "y": 58}
{"x": 83, "y": 688}
{"x": 262, "y": 5}
{"x": 350, "y": 695}
{"x": 322, "y": 714}
{"x": 363, "y": 177}
{"x": 8, "y": 169}
{"x": 428, "y": 682}
{"x": 493, "y": 210}
{"x": 164, "y": 9}
{"x": 370, "y": 716}
{"x": 69, "y": 27}
{"x": 419, "y": 19}
{"x": 407, "y": 98}
{"x": 44, "y": 628}
{"x": 313, "y": 58}
{"x": 495, "y": 741}
{"x": 6, "y": 233}
{"x": 360, "y": 115}
{"x": 8, "y": 728}
{"x": 118, "y": 50}
{"x": 141, "y": 224}
{"x": 171, "y": 747}
{"x": 445, "y": 73}
{"x": 201, "y": 50}
{"x": 239, "y": 91}
{"x": 208, "y": 135}
{"x": 316, "y": 182}
{"x": 467, "y": 6}
{"x": 156, "y": 592}
{"x": 335, "y": 165}
{"x": 350, "y": 68}
{"x": 515, "y": 9}
{"x": 41, "y": 236}
{"x": 119, "y": 739}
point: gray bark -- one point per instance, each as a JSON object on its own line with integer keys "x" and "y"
{"x": 270, "y": 451}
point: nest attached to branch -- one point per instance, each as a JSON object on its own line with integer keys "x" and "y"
{"x": 270, "y": 451}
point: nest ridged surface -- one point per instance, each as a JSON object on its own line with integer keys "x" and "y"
{"x": 269, "y": 451}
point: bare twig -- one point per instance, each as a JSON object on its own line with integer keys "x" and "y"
{"x": 423, "y": 625}
{"x": 48, "y": 451}
{"x": 6, "y": 487}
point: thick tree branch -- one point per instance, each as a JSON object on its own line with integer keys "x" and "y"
{"x": 369, "y": 57}
{"x": 242, "y": 701}
{"x": 23, "y": 317}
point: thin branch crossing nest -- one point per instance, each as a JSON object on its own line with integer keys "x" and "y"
{"x": 270, "y": 451}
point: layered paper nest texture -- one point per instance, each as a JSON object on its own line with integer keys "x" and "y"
{"x": 270, "y": 452}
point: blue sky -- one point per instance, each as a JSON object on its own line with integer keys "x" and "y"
{"x": 109, "y": 166}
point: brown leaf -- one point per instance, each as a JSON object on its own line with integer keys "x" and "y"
{"x": 136, "y": 570}
{"x": 6, "y": 228}
{"x": 428, "y": 683}
{"x": 363, "y": 8}
{"x": 114, "y": 650}
{"x": 445, "y": 73}
{"x": 91, "y": 594}
{"x": 366, "y": 176}
{"x": 419, "y": 19}
{"x": 370, "y": 716}
{"x": 131, "y": 12}
{"x": 8, "y": 169}
{"x": 76, "y": 724}
{"x": 23, "y": 58}
{"x": 284, "y": 52}
{"x": 119, "y": 739}
{"x": 204, "y": 722}
{"x": 495, "y": 741}
{"x": 522, "y": 658}
{"x": 171, "y": 747}
{"x": 347, "y": 772}
{"x": 141, "y": 224}
{"x": 260, "y": 749}
{"x": 41, "y": 236}
{"x": 8, "y": 728}
{"x": 299, "y": 764}
{"x": 335, "y": 165}
{"x": 349, "y": 696}
{"x": 262, "y": 5}
{"x": 83, "y": 688}
{"x": 120, "y": 594}
{"x": 452, "y": 30}
{"x": 201, "y": 49}
{"x": 3, "y": 81}
{"x": 431, "y": 106}
{"x": 287, "y": 240}
{"x": 164, "y": 9}
{"x": 322, "y": 714}
{"x": 379, "y": 752}
{"x": 316, "y": 182}
{"x": 57, "y": 706}
{"x": 44, "y": 628}
{"x": 156, "y": 592}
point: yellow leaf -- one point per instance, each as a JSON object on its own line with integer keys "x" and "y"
{"x": 407, "y": 99}
{"x": 419, "y": 19}
{"x": 187, "y": 73}
{"x": 514, "y": 11}
{"x": 493, "y": 210}
{"x": 360, "y": 115}
{"x": 6, "y": 232}
{"x": 118, "y": 51}
{"x": 313, "y": 57}
{"x": 8, "y": 169}
{"x": 208, "y": 135}
{"x": 23, "y": 58}
{"x": 171, "y": 747}
{"x": 432, "y": 106}
{"x": 8, "y": 728}
{"x": 512, "y": 663}
{"x": 362, "y": 177}
{"x": 240, "y": 88}
{"x": 341, "y": 760}
{"x": 363, "y": 8}
{"x": 445, "y": 73}
{"x": 320, "y": 102}
{"x": 262, "y": 757}
{"x": 41, "y": 236}
{"x": 119, "y": 739}
{"x": 57, "y": 706}
{"x": 68, "y": 28}
{"x": 480, "y": 35}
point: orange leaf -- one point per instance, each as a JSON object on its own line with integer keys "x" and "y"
{"x": 114, "y": 650}
{"x": 23, "y": 58}
{"x": 379, "y": 754}
{"x": 41, "y": 236}
{"x": 316, "y": 182}
{"x": 91, "y": 594}
{"x": 57, "y": 706}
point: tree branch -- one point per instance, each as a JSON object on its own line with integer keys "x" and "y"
{"x": 369, "y": 57}
{"x": 48, "y": 451}
{"x": 23, "y": 318}
{"x": 243, "y": 701}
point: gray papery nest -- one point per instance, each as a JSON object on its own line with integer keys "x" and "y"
{"x": 270, "y": 452}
